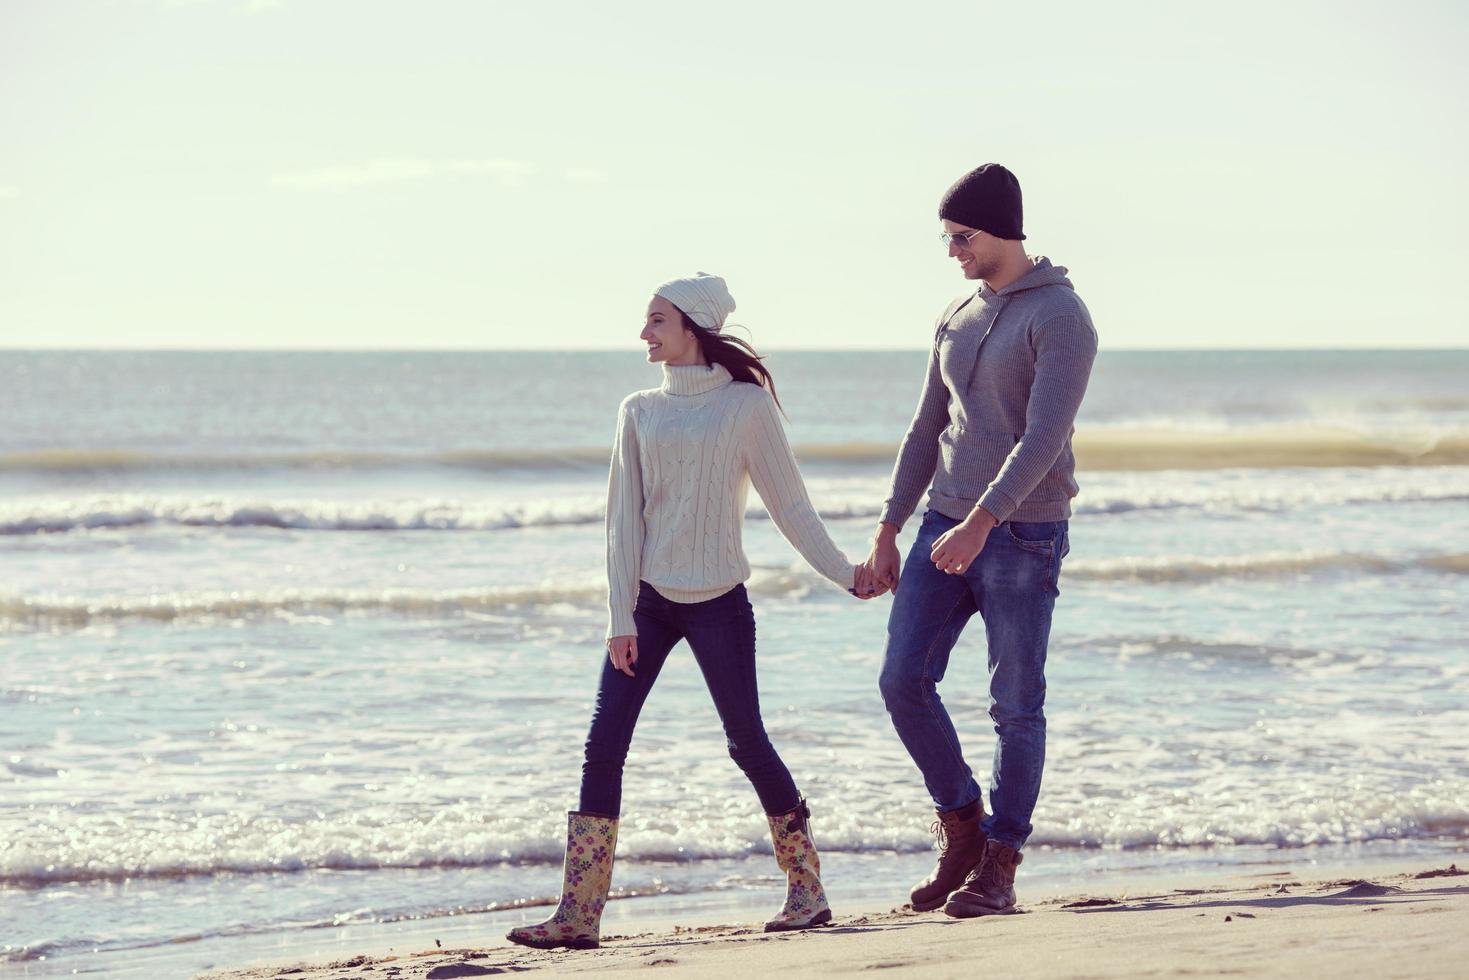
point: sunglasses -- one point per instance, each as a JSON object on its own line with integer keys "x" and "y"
{"x": 960, "y": 238}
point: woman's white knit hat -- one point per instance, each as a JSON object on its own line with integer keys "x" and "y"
{"x": 703, "y": 297}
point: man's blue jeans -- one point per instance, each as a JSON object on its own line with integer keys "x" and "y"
{"x": 1012, "y": 585}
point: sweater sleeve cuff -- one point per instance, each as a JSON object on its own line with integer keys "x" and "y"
{"x": 621, "y": 624}
{"x": 890, "y": 515}
{"x": 998, "y": 503}
{"x": 844, "y": 575}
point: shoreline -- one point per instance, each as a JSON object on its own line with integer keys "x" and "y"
{"x": 738, "y": 896}
{"x": 1293, "y": 921}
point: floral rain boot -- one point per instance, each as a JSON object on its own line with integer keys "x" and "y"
{"x": 795, "y": 852}
{"x": 590, "y": 843}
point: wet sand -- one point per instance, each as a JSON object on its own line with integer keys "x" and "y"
{"x": 1414, "y": 923}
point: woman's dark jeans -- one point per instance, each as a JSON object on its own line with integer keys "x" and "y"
{"x": 721, "y": 632}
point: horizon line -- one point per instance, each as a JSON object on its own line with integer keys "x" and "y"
{"x": 7, "y": 349}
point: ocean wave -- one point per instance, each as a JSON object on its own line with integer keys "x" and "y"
{"x": 1165, "y": 647}
{"x": 1456, "y": 564}
{"x": 1242, "y": 491}
{"x": 1165, "y": 569}
{"x": 456, "y": 837}
{"x": 1103, "y": 449}
{"x": 795, "y": 581}
{"x": 132, "y": 510}
{"x": 121, "y": 511}
{"x": 70, "y": 612}
{"x": 1272, "y": 447}
{"x": 78, "y": 461}
{"x": 77, "y": 613}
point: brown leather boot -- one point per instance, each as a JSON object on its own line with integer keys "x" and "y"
{"x": 961, "y": 846}
{"x": 990, "y": 888}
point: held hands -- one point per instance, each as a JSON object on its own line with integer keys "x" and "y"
{"x": 956, "y": 549}
{"x": 624, "y": 653}
{"x": 865, "y": 585}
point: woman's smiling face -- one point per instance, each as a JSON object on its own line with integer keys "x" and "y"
{"x": 669, "y": 342}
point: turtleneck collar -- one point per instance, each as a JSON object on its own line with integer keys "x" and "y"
{"x": 694, "y": 379}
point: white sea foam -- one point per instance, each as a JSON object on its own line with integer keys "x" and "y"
{"x": 137, "y": 510}
{"x": 1188, "y": 568}
{"x": 75, "y": 612}
{"x": 836, "y": 499}
{"x": 75, "y": 846}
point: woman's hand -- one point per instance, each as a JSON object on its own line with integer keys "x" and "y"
{"x": 624, "y": 653}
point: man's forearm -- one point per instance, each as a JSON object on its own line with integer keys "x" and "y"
{"x": 978, "y": 517}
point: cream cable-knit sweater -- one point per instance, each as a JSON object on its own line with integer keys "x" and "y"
{"x": 682, "y": 465}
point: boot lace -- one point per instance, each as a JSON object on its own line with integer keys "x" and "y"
{"x": 988, "y": 874}
{"x": 937, "y": 829}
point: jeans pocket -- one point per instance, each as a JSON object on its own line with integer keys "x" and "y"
{"x": 740, "y": 597}
{"x": 1037, "y": 536}
{"x": 731, "y": 606}
{"x": 731, "y": 614}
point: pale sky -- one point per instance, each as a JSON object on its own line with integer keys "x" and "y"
{"x": 483, "y": 174}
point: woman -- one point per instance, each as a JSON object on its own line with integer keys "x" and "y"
{"x": 682, "y": 463}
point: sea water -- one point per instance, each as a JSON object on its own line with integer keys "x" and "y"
{"x": 294, "y": 642}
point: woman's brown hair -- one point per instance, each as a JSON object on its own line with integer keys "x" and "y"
{"x": 737, "y": 357}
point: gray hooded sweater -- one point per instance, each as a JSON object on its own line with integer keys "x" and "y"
{"x": 1005, "y": 379}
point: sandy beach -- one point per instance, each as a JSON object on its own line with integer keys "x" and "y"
{"x": 1411, "y": 923}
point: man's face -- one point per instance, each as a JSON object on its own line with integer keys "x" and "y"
{"x": 979, "y": 257}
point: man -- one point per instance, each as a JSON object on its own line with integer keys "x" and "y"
{"x": 992, "y": 435}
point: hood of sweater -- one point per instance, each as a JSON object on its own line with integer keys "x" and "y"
{"x": 968, "y": 326}
{"x": 1042, "y": 273}
{"x": 694, "y": 379}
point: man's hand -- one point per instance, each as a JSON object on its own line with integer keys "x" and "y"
{"x": 624, "y": 653}
{"x": 956, "y": 548}
{"x": 884, "y": 563}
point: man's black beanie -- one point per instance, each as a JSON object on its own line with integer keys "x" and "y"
{"x": 987, "y": 198}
